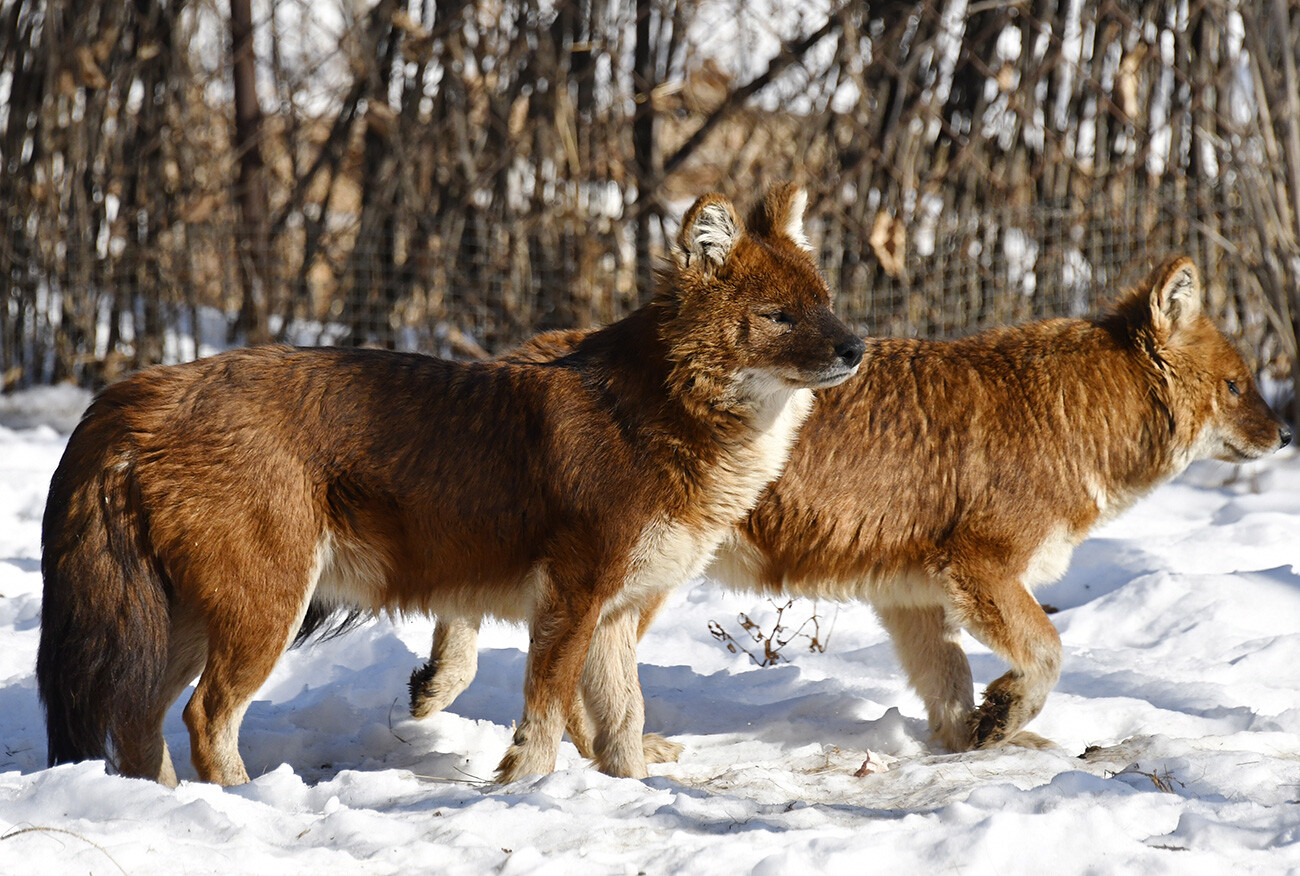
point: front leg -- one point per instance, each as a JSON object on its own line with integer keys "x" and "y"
{"x": 583, "y": 721}
{"x": 1002, "y": 614}
{"x": 569, "y": 623}
{"x": 559, "y": 637}
{"x": 582, "y": 732}
{"x": 611, "y": 699}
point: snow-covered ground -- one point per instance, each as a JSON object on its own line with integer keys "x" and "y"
{"x": 1178, "y": 717}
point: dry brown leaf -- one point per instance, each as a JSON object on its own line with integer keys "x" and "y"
{"x": 889, "y": 242}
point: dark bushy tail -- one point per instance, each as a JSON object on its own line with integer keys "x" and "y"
{"x": 105, "y": 618}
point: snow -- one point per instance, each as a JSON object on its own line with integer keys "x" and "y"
{"x": 1181, "y": 630}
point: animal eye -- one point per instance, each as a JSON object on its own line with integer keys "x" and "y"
{"x": 1232, "y": 388}
{"x": 780, "y": 317}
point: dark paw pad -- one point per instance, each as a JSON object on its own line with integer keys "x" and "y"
{"x": 988, "y": 723}
{"x": 421, "y": 681}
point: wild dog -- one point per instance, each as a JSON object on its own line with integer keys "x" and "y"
{"x": 951, "y": 478}
{"x": 205, "y": 516}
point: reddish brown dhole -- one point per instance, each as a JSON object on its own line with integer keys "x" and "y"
{"x": 206, "y": 515}
{"x": 951, "y": 478}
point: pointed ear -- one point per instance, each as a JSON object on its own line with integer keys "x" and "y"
{"x": 709, "y": 232}
{"x": 780, "y": 214}
{"x": 1175, "y": 295}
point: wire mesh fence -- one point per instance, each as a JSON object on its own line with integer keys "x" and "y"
{"x": 949, "y": 275}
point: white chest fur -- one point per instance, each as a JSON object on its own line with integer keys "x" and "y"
{"x": 671, "y": 551}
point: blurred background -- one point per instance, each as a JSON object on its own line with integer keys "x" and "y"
{"x": 177, "y": 176}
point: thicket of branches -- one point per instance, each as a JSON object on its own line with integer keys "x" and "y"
{"x": 456, "y": 175}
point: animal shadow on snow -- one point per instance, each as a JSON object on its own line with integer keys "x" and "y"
{"x": 1210, "y": 697}
{"x": 22, "y": 746}
{"x": 342, "y": 705}
{"x": 1099, "y": 567}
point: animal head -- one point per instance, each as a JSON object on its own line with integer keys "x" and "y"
{"x": 751, "y": 314}
{"x": 1214, "y": 405}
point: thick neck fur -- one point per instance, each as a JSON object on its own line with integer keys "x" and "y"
{"x": 1100, "y": 400}
{"x": 1170, "y": 432}
{"x": 705, "y": 386}
{"x": 719, "y": 439}
{"x": 1066, "y": 394}
{"x": 704, "y": 395}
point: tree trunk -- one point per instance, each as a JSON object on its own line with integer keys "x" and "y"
{"x": 644, "y": 151}
{"x": 253, "y": 235}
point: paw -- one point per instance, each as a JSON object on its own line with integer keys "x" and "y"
{"x": 661, "y": 750}
{"x": 434, "y": 689}
{"x": 509, "y": 770}
{"x": 989, "y": 725}
{"x": 954, "y": 735}
{"x": 1026, "y": 739}
{"x": 523, "y": 758}
{"x": 423, "y": 684}
{"x": 1006, "y": 708}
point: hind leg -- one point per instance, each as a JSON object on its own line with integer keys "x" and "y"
{"x": 453, "y": 662}
{"x": 243, "y": 647}
{"x": 928, "y": 643}
{"x": 230, "y": 679}
{"x": 145, "y": 753}
{"x": 214, "y": 714}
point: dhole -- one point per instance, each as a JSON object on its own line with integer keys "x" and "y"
{"x": 206, "y": 515}
{"x": 951, "y": 478}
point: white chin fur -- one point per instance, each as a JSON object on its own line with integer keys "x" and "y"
{"x": 833, "y": 377}
{"x": 757, "y": 384}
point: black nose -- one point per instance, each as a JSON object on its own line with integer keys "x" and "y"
{"x": 1284, "y": 435}
{"x": 850, "y": 351}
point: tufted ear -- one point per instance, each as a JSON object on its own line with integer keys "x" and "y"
{"x": 1175, "y": 296}
{"x": 780, "y": 214}
{"x": 709, "y": 232}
